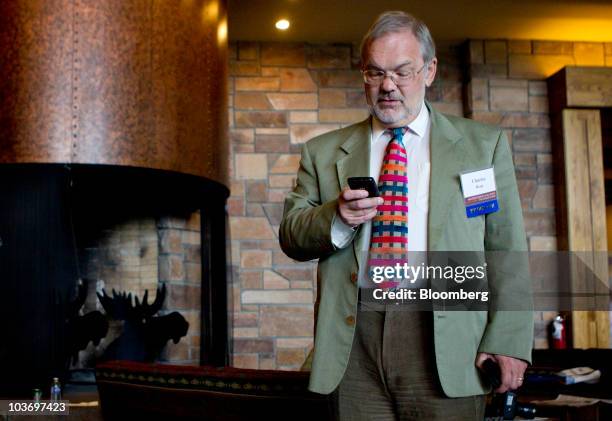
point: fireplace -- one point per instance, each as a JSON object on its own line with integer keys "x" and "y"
{"x": 109, "y": 225}
{"x": 113, "y": 168}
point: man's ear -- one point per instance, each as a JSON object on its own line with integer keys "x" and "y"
{"x": 431, "y": 72}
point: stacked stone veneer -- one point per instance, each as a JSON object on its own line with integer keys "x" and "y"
{"x": 140, "y": 254}
{"x": 280, "y": 96}
{"x": 180, "y": 268}
{"x": 283, "y": 94}
{"x": 506, "y": 86}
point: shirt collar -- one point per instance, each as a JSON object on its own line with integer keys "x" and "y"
{"x": 417, "y": 126}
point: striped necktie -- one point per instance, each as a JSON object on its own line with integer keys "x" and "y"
{"x": 389, "y": 241}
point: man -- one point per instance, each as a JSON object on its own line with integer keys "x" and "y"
{"x": 384, "y": 364}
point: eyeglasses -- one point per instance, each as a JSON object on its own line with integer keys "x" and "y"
{"x": 400, "y": 77}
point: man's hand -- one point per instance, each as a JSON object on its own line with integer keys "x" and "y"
{"x": 512, "y": 370}
{"x": 355, "y": 207}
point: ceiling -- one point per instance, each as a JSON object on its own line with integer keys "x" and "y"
{"x": 449, "y": 20}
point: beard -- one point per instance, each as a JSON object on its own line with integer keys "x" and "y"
{"x": 391, "y": 115}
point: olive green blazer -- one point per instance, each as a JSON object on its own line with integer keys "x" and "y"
{"x": 456, "y": 145}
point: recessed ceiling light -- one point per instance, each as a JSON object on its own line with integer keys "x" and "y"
{"x": 282, "y": 24}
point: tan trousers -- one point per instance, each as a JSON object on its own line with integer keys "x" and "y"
{"x": 391, "y": 373}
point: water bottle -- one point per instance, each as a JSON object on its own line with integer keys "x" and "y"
{"x": 56, "y": 390}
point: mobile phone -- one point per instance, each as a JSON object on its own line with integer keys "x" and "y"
{"x": 364, "y": 183}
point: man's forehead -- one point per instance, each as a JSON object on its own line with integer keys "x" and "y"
{"x": 402, "y": 44}
{"x": 371, "y": 64}
{"x": 396, "y": 60}
{"x": 403, "y": 37}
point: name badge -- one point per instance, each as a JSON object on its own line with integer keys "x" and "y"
{"x": 479, "y": 192}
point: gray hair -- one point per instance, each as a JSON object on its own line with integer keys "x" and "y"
{"x": 398, "y": 21}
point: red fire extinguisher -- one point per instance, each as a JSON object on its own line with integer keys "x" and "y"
{"x": 558, "y": 333}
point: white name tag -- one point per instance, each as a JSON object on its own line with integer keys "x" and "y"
{"x": 478, "y": 182}
{"x": 479, "y": 192}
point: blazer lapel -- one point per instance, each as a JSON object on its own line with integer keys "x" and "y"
{"x": 447, "y": 161}
{"x": 356, "y": 163}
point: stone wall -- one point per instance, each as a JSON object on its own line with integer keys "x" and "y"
{"x": 140, "y": 254}
{"x": 283, "y": 94}
{"x": 180, "y": 268}
{"x": 280, "y": 96}
{"x": 506, "y": 86}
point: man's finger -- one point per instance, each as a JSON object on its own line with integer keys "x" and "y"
{"x": 371, "y": 215}
{"x": 364, "y": 216}
{"x": 367, "y": 216}
{"x": 368, "y": 204}
{"x": 513, "y": 384}
{"x": 518, "y": 377}
{"x": 354, "y": 217}
{"x": 349, "y": 194}
{"x": 502, "y": 389}
{"x": 513, "y": 371}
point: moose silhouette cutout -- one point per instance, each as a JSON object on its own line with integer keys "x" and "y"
{"x": 144, "y": 335}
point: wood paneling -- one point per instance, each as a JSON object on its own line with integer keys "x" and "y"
{"x": 584, "y": 178}
{"x": 586, "y": 224}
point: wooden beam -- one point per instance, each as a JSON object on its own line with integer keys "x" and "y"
{"x": 574, "y": 86}
{"x": 589, "y": 87}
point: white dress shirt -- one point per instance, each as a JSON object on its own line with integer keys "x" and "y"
{"x": 416, "y": 142}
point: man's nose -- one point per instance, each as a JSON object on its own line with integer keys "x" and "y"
{"x": 387, "y": 84}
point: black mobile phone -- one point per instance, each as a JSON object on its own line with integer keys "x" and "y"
{"x": 364, "y": 183}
